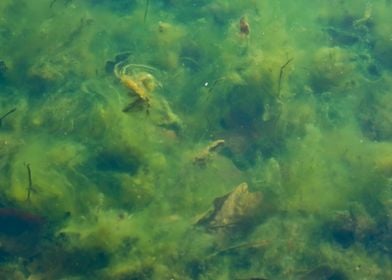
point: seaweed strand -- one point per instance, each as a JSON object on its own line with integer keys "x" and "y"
{"x": 281, "y": 73}
{"x": 6, "y": 114}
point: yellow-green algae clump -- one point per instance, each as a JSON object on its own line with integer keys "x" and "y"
{"x": 195, "y": 140}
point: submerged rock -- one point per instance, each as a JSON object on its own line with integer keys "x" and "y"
{"x": 233, "y": 210}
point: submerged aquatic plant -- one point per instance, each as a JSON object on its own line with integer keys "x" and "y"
{"x": 131, "y": 185}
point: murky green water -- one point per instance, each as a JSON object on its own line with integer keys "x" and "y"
{"x": 195, "y": 139}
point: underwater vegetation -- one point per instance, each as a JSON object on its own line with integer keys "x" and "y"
{"x": 167, "y": 139}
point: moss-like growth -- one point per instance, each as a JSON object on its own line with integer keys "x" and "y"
{"x": 125, "y": 127}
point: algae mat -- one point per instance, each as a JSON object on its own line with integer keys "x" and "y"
{"x": 195, "y": 139}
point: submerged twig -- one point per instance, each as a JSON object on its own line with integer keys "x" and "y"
{"x": 146, "y": 10}
{"x": 30, "y": 182}
{"x": 281, "y": 73}
{"x": 254, "y": 244}
{"x": 6, "y": 114}
{"x": 212, "y": 87}
{"x": 214, "y": 83}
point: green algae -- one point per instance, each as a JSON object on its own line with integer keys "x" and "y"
{"x": 302, "y": 102}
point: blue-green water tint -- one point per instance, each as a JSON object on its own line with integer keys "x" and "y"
{"x": 121, "y": 117}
